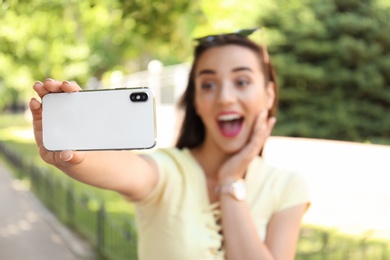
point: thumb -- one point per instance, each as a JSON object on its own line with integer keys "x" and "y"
{"x": 72, "y": 156}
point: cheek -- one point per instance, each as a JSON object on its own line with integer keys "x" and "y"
{"x": 257, "y": 101}
{"x": 197, "y": 102}
{"x": 265, "y": 99}
{"x": 202, "y": 106}
{"x": 268, "y": 102}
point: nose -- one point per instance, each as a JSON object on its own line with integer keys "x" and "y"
{"x": 226, "y": 94}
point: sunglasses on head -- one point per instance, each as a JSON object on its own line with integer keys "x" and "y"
{"x": 241, "y": 33}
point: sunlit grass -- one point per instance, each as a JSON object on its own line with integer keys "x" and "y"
{"x": 20, "y": 134}
{"x": 8, "y": 120}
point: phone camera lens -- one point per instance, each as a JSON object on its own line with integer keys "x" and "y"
{"x": 139, "y": 97}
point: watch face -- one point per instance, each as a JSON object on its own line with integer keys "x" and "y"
{"x": 239, "y": 190}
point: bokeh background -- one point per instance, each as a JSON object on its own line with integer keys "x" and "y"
{"x": 332, "y": 59}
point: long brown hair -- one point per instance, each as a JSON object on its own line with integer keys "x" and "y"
{"x": 192, "y": 131}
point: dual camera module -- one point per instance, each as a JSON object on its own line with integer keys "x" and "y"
{"x": 139, "y": 97}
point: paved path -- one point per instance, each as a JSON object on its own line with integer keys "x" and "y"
{"x": 28, "y": 231}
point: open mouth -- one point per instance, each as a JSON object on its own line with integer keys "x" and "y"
{"x": 230, "y": 124}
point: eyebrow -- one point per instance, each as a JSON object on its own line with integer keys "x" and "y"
{"x": 206, "y": 71}
{"x": 209, "y": 71}
{"x": 242, "y": 68}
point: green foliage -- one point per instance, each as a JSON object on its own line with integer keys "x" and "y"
{"x": 74, "y": 40}
{"x": 221, "y": 16}
{"x": 328, "y": 243}
{"x": 333, "y": 61}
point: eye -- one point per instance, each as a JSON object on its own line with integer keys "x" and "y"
{"x": 242, "y": 82}
{"x": 208, "y": 85}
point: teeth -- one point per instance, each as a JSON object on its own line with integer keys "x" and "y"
{"x": 229, "y": 117}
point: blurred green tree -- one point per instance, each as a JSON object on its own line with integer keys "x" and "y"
{"x": 333, "y": 64}
{"x": 69, "y": 39}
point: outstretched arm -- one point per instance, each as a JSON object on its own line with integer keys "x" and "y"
{"x": 132, "y": 175}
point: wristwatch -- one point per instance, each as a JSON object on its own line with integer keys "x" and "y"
{"x": 236, "y": 189}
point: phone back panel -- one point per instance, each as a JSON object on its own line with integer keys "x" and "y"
{"x": 98, "y": 120}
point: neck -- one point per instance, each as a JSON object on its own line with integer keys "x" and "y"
{"x": 210, "y": 158}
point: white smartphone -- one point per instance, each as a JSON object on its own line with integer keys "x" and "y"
{"x": 111, "y": 119}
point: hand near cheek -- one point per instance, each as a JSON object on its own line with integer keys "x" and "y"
{"x": 236, "y": 166}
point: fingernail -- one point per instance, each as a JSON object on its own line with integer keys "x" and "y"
{"x": 34, "y": 104}
{"x": 49, "y": 79}
{"x": 66, "y": 155}
{"x": 31, "y": 104}
{"x": 38, "y": 83}
{"x": 67, "y": 82}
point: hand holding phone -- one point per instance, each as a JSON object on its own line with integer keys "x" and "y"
{"x": 113, "y": 119}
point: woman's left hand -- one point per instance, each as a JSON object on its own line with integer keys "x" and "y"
{"x": 236, "y": 166}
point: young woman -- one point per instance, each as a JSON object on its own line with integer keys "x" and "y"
{"x": 212, "y": 196}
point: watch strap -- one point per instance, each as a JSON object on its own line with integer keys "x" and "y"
{"x": 236, "y": 189}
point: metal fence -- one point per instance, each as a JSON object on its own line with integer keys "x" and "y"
{"x": 112, "y": 238}
{"x": 116, "y": 239}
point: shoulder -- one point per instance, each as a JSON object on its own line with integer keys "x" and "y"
{"x": 171, "y": 164}
{"x": 260, "y": 169}
{"x": 169, "y": 157}
{"x": 178, "y": 175}
{"x": 286, "y": 187}
{"x": 167, "y": 170}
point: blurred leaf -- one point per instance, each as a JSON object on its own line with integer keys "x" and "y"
{"x": 74, "y": 40}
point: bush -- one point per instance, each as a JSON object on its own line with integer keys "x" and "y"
{"x": 333, "y": 61}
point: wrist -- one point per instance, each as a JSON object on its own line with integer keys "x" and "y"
{"x": 234, "y": 188}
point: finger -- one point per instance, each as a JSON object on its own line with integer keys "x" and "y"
{"x": 255, "y": 141}
{"x": 62, "y": 159}
{"x": 52, "y": 85}
{"x": 261, "y": 130}
{"x": 265, "y": 131}
{"x": 49, "y": 85}
{"x": 261, "y": 124}
{"x": 70, "y": 86}
{"x": 71, "y": 157}
{"x": 265, "y": 128}
{"x": 36, "y": 112}
{"x": 39, "y": 89}
{"x": 271, "y": 125}
{"x": 36, "y": 109}
{"x": 262, "y": 120}
{"x": 56, "y": 86}
{"x": 240, "y": 161}
{"x": 47, "y": 156}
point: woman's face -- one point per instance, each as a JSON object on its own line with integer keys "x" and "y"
{"x": 230, "y": 92}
